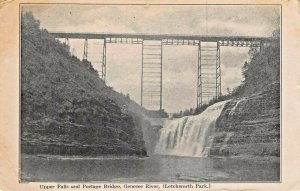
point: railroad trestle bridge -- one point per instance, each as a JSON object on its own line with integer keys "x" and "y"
{"x": 209, "y": 62}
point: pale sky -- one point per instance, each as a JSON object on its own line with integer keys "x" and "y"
{"x": 179, "y": 62}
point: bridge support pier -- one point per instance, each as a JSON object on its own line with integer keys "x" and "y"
{"x": 85, "y": 50}
{"x": 218, "y": 72}
{"x": 199, "y": 79}
{"x": 151, "y": 79}
{"x": 209, "y": 72}
{"x": 103, "y": 68}
{"x": 67, "y": 41}
{"x": 67, "y": 44}
{"x": 96, "y": 55}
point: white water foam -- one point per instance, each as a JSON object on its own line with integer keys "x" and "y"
{"x": 189, "y": 136}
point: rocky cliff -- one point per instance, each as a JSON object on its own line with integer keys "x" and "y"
{"x": 249, "y": 126}
{"x": 66, "y": 108}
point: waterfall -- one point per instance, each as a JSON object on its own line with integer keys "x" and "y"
{"x": 190, "y": 135}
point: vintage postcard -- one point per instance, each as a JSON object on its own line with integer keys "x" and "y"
{"x": 150, "y": 95}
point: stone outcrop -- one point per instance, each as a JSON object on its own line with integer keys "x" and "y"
{"x": 249, "y": 126}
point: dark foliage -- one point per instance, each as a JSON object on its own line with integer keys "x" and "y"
{"x": 262, "y": 70}
{"x": 61, "y": 93}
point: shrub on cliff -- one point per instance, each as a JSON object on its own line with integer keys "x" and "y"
{"x": 263, "y": 68}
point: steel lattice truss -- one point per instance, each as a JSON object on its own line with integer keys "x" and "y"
{"x": 209, "y": 64}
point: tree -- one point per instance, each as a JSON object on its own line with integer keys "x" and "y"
{"x": 263, "y": 68}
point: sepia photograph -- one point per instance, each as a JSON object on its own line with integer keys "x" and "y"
{"x": 150, "y": 93}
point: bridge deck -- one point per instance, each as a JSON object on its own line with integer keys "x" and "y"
{"x": 209, "y": 38}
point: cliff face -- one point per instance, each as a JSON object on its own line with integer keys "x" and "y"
{"x": 66, "y": 108}
{"x": 249, "y": 126}
{"x": 244, "y": 127}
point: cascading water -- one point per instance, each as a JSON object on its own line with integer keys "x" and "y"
{"x": 189, "y": 136}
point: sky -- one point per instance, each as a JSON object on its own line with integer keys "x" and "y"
{"x": 179, "y": 62}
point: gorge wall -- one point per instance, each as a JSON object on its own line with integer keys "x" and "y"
{"x": 66, "y": 109}
{"x": 248, "y": 126}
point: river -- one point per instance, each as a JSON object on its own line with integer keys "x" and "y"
{"x": 149, "y": 169}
